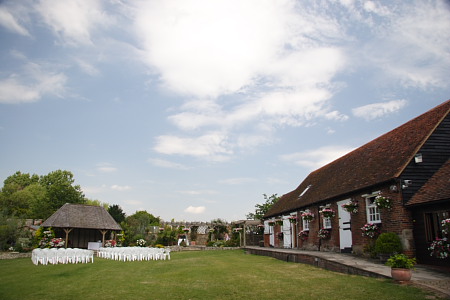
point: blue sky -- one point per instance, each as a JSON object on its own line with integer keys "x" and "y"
{"x": 192, "y": 110}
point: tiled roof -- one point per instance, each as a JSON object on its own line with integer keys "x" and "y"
{"x": 82, "y": 216}
{"x": 378, "y": 161}
{"x": 435, "y": 189}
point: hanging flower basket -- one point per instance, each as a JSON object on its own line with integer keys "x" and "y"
{"x": 238, "y": 229}
{"x": 370, "y": 230}
{"x": 445, "y": 226}
{"x": 307, "y": 215}
{"x": 440, "y": 248}
{"x": 293, "y": 219}
{"x": 303, "y": 235}
{"x": 383, "y": 202}
{"x": 323, "y": 234}
{"x": 327, "y": 212}
{"x": 279, "y": 222}
{"x": 271, "y": 223}
{"x": 351, "y": 206}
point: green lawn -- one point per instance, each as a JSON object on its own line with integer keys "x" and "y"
{"x": 191, "y": 275}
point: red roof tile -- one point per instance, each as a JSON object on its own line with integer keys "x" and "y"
{"x": 378, "y": 161}
{"x": 437, "y": 187}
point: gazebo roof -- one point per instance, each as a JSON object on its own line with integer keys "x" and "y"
{"x": 82, "y": 216}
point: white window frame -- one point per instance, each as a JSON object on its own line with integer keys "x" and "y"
{"x": 305, "y": 225}
{"x": 326, "y": 222}
{"x": 373, "y": 213}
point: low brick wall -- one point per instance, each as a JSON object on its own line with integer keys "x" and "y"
{"x": 13, "y": 255}
{"x": 316, "y": 261}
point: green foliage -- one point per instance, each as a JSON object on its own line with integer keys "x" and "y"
{"x": 401, "y": 261}
{"x": 262, "y": 209}
{"x": 30, "y": 196}
{"x": 9, "y": 230}
{"x": 388, "y": 243}
{"x": 168, "y": 236}
{"x": 117, "y": 213}
{"x": 61, "y": 189}
{"x": 96, "y": 202}
{"x": 139, "y": 224}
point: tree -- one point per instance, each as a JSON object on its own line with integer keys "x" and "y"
{"x": 117, "y": 213}
{"x": 262, "y": 209}
{"x": 138, "y": 225}
{"x": 97, "y": 203}
{"x": 61, "y": 189}
{"x": 14, "y": 197}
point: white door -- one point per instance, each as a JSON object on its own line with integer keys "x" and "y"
{"x": 287, "y": 233}
{"x": 345, "y": 233}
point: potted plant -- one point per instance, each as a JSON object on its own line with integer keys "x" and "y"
{"x": 387, "y": 244}
{"x": 293, "y": 219}
{"x": 401, "y": 267}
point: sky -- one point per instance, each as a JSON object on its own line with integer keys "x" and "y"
{"x": 192, "y": 110}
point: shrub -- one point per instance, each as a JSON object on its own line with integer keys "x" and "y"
{"x": 388, "y": 243}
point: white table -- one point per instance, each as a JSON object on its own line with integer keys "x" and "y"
{"x": 94, "y": 245}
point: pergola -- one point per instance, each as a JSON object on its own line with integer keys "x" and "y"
{"x": 83, "y": 221}
{"x": 245, "y": 224}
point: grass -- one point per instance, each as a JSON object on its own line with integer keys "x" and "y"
{"x": 192, "y": 275}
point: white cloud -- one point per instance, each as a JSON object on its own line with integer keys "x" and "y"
{"x": 212, "y": 146}
{"x": 378, "y": 110}
{"x": 133, "y": 202}
{"x": 87, "y": 67}
{"x": 31, "y": 84}
{"x": 314, "y": 159}
{"x": 198, "y": 192}
{"x": 9, "y": 21}
{"x": 237, "y": 181}
{"x": 195, "y": 210}
{"x": 412, "y": 44}
{"x": 121, "y": 188}
{"x": 106, "y": 168}
{"x": 73, "y": 20}
{"x": 167, "y": 164}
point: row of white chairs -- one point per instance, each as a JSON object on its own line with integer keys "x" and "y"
{"x": 134, "y": 253}
{"x": 61, "y": 256}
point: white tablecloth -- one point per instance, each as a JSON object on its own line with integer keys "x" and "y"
{"x": 94, "y": 245}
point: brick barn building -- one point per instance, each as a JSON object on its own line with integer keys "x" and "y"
{"x": 409, "y": 166}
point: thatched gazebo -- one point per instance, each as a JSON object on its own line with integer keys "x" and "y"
{"x": 82, "y": 224}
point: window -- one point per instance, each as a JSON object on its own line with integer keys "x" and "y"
{"x": 305, "y": 225}
{"x": 373, "y": 212}
{"x": 433, "y": 224}
{"x": 326, "y": 223}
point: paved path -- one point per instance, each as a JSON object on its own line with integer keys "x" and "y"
{"x": 423, "y": 276}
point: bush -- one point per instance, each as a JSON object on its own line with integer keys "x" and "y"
{"x": 388, "y": 243}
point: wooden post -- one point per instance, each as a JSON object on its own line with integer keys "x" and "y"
{"x": 67, "y": 231}
{"x": 103, "y": 236}
{"x": 244, "y": 231}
